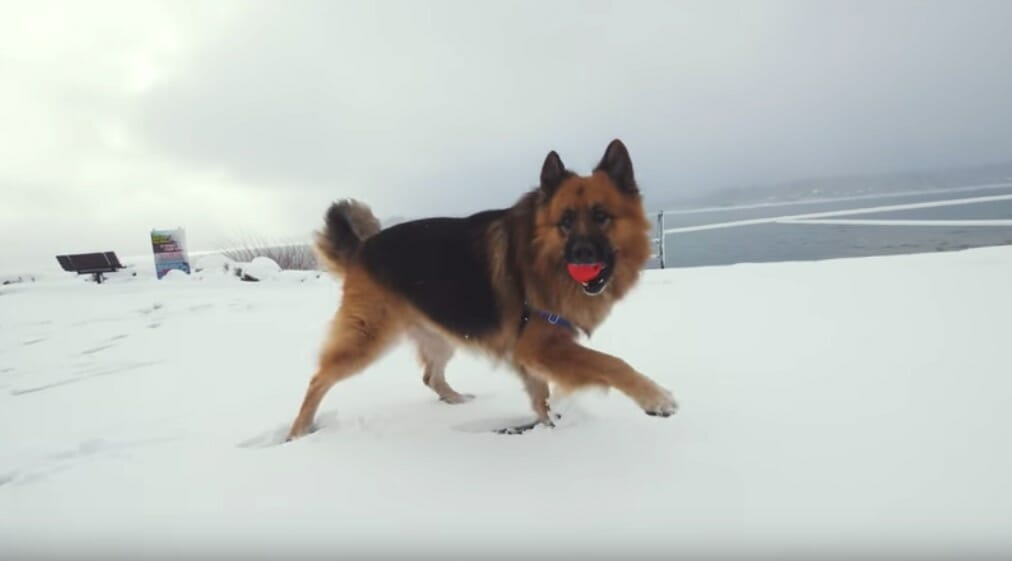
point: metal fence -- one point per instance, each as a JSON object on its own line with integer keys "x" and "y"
{"x": 840, "y": 217}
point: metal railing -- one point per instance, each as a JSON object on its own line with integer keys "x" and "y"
{"x": 839, "y": 217}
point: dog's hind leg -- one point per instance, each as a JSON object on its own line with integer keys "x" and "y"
{"x": 435, "y": 351}
{"x": 364, "y": 327}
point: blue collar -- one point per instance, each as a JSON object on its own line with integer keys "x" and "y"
{"x": 553, "y": 319}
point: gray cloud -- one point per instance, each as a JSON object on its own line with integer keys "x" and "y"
{"x": 446, "y": 105}
{"x": 259, "y": 114}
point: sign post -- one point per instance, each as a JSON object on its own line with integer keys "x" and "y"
{"x": 169, "y": 247}
{"x": 660, "y": 237}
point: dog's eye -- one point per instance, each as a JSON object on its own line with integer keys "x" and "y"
{"x": 600, "y": 216}
{"x": 566, "y": 222}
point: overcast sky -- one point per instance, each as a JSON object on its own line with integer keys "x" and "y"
{"x": 228, "y": 118}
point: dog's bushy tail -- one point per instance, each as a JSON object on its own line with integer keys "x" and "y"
{"x": 347, "y": 224}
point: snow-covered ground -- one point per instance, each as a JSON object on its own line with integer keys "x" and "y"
{"x": 853, "y": 407}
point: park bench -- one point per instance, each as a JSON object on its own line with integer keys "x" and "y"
{"x": 94, "y": 264}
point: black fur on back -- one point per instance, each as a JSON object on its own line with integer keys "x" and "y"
{"x": 441, "y": 266}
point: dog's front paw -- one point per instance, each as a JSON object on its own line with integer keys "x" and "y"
{"x": 660, "y": 403}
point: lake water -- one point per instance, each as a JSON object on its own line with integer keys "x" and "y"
{"x": 806, "y": 242}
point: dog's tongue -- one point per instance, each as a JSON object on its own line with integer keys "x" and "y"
{"x": 584, "y": 273}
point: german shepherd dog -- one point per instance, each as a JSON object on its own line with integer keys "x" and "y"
{"x": 518, "y": 283}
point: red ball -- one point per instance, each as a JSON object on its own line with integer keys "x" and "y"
{"x": 584, "y": 272}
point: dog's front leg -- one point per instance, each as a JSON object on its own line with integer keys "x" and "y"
{"x": 538, "y": 391}
{"x": 558, "y": 358}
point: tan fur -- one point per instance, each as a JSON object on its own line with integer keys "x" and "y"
{"x": 629, "y": 235}
{"x": 434, "y": 351}
{"x": 366, "y": 323}
{"x": 547, "y": 353}
{"x": 371, "y": 318}
{"x": 363, "y": 223}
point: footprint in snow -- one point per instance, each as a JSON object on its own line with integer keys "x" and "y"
{"x": 84, "y": 375}
{"x": 62, "y": 461}
{"x": 278, "y": 434}
{"x": 505, "y": 425}
{"x": 149, "y": 309}
{"x": 266, "y": 439}
{"x": 94, "y": 350}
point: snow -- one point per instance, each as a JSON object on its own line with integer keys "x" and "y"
{"x": 213, "y": 263}
{"x": 856, "y": 407}
{"x": 262, "y": 269}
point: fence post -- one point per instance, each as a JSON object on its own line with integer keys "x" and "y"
{"x": 660, "y": 237}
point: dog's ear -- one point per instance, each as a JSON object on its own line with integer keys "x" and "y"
{"x": 618, "y": 166}
{"x": 553, "y": 172}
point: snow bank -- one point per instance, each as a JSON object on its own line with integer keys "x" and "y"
{"x": 856, "y": 407}
{"x": 261, "y": 269}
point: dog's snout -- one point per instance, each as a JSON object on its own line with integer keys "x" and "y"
{"x": 583, "y": 251}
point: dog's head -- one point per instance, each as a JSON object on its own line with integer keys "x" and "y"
{"x": 592, "y": 229}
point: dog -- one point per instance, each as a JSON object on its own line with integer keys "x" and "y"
{"x": 519, "y": 283}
